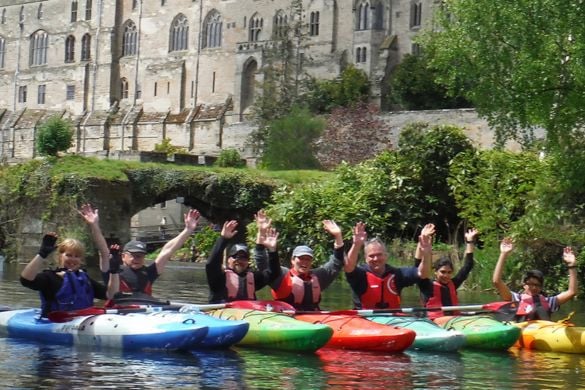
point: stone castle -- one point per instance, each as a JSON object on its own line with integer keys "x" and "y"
{"x": 129, "y": 73}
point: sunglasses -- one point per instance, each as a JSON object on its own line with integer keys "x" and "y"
{"x": 533, "y": 285}
{"x": 241, "y": 257}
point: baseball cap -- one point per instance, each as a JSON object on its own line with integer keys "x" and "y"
{"x": 302, "y": 250}
{"x": 135, "y": 246}
{"x": 238, "y": 248}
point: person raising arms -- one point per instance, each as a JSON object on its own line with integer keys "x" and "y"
{"x": 533, "y": 304}
{"x": 378, "y": 285}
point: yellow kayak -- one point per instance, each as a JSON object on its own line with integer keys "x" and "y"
{"x": 551, "y": 336}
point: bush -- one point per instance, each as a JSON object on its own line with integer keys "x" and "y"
{"x": 230, "y": 158}
{"x": 166, "y": 147}
{"x": 54, "y": 136}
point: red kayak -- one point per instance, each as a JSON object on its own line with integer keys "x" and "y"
{"x": 357, "y": 333}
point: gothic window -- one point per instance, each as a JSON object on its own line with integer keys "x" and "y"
{"x": 415, "y": 14}
{"x": 2, "y": 51}
{"x": 22, "y": 94}
{"x": 416, "y": 49}
{"x": 129, "y": 39}
{"x": 3, "y": 20}
{"x": 40, "y": 12}
{"x": 314, "y": 24}
{"x": 134, "y": 4}
{"x": 39, "y": 44}
{"x": 74, "y": 11}
{"x": 212, "y": 30}
{"x": 70, "y": 92}
{"x": 86, "y": 47}
{"x": 163, "y": 3}
{"x": 70, "y": 49}
{"x": 378, "y": 16}
{"x": 255, "y": 28}
{"x": 88, "y": 9}
{"x": 21, "y": 15}
{"x": 280, "y": 24}
{"x": 179, "y": 34}
{"x": 124, "y": 88}
{"x": 363, "y": 9}
{"x": 41, "y": 94}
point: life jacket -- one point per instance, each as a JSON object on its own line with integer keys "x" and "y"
{"x": 381, "y": 292}
{"x": 234, "y": 282}
{"x": 294, "y": 290}
{"x": 132, "y": 280}
{"x": 528, "y": 309}
{"x": 437, "y": 299}
{"x": 75, "y": 293}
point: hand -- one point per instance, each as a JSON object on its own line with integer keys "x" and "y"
{"x": 192, "y": 219}
{"x": 229, "y": 229}
{"x": 90, "y": 215}
{"x": 115, "y": 259}
{"x": 262, "y": 221}
{"x": 569, "y": 257}
{"x": 332, "y": 228}
{"x": 471, "y": 235}
{"x": 359, "y": 233}
{"x": 48, "y": 244}
{"x": 425, "y": 239}
{"x": 269, "y": 239}
{"x": 506, "y": 246}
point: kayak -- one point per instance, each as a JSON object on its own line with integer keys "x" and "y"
{"x": 277, "y": 331}
{"x": 551, "y": 336}
{"x": 481, "y": 331}
{"x": 357, "y": 333}
{"x": 429, "y": 336}
{"x": 221, "y": 333}
{"x": 136, "y": 331}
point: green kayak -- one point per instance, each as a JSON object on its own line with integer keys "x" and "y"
{"x": 429, "y": 336}
{"x": 482, "y": 331}
{"x": 277, "y": 331}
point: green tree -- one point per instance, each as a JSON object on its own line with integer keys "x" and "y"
{"x": 413, "y": 86}
{"x": 352, "y": 87}
{"x": 525, "y": 58}
{"x": 54, "y": 136}
{"x": 290, "y": 143}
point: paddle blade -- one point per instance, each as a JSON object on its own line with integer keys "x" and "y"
{"x": 503, "y": 311}
{"x": 275, "y": 306}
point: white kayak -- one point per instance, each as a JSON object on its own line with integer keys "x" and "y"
{"x": 133, "y": 331}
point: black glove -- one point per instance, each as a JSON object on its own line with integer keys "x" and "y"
{"x": 48, "y": 245}
{"x": 115, "y": 260}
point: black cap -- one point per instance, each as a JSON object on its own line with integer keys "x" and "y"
{"x": 238, "y": 248}
{"x": 135, "y": 246}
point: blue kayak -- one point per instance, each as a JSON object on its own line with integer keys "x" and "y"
{"x": 135, "y": 331}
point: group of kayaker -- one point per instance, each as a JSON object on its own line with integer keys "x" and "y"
{"x": 375, "y": 284}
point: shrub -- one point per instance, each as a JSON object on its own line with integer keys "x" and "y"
{"x": 54, "y": 136}
{"x": 230, "y": 158}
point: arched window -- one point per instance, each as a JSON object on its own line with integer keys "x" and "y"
{"x": 179, "y": 34}
{"x": 124, "y": 88}
{"x": 212, "y": 29}
{"x": 314, "y": 24}
{"x": 21, "y": 15}
{"x": 255, "y": 28}
{"x": 378, "y": 17}
{"x": 415, "y": 14}
{"x": 3, "y": 20}
{"x": 129, "y": 39}
{"x": 40, "y": 12}
{"x": 88, "y": 4}
{"x": 70, "y": 49}
{"x": 280, "y": 26}
{"x": 86, "y": 47}
{"x": 363, "y": 10}
{"x": 74, "y": 11}
{"x": 39, "y": 44}
{"x": 2, "y": 51}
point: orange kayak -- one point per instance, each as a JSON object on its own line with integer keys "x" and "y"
{"x": 357, "y": 333}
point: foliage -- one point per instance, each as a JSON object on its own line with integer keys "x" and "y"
{"x": 290, "y": 141}
{"x": 413, "y": 86}
{"x": 351, "y": 135}
{"x": 54, "y": 136}
{"x": 431, "y": 149}
{"x": 525, "y": 59}
{"x": 166, "y": 147}
{"x": 350, "y": 88}
{"x": 230, "y": 158}
{"x": 204, "y": 240}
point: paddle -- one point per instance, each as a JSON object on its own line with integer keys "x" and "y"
{"x": 64, "y": 316}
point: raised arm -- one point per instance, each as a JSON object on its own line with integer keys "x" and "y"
{"x": 191, "y": 221}
{"x": 91, "y": 217}
{"x": 37, "y": 264}
{"x": 359, "y": 238}
{"x": 115, "y": 263}
{"x": 332, "y": 228}
{"x": 424, "y": 249}
{"x": 263, "y": 224}
{"x": 470, "y": 238}
{"x": 571, "y": 261}
{"x": 506, "y": 247}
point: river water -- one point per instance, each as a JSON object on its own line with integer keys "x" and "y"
{"x": 28, "y": 365}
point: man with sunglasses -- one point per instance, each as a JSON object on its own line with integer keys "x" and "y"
{"x": 533, "y": 305}
{"x": 238, "y": 281}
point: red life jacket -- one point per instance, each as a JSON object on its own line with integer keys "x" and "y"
{"x": 292, "y": 290}
{"x": 436, "y": 301}
{"x": 528, "y": 310}
{"x": 381, "y": 292}
{"x": 233, "y": 282}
